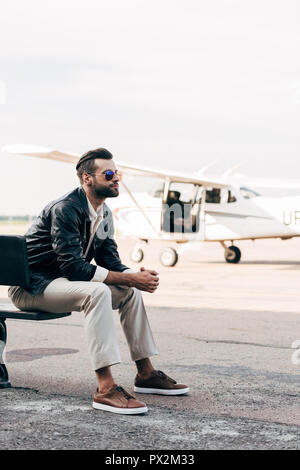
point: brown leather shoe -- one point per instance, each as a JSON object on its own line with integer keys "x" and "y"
{"x": 117, "y": 400}
{"x": 159, "y": 383}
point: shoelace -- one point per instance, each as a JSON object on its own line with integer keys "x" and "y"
{"x": 126, "y": 394}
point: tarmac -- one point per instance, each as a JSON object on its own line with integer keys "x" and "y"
{"x": 225, "y": 330}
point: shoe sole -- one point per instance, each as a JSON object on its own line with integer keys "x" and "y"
{"x": 161, "y": 391}
{"x": 121, "y": 411}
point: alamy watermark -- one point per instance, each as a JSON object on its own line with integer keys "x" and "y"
{"x": 3, "y": 93}
{"x": 296, "y": 354}
{"x": 296, "y": 92}
{"x": 180, "y": 218}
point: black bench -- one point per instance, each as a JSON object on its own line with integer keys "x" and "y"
{"x": 14, "y": 271}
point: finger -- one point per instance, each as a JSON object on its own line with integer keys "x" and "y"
{"x": 152, "y": 288}
{"x": 150, "y": 271}
{"x": 154, "y": 273}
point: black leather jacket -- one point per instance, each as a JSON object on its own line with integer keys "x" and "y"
{"x": 58, "y": 238}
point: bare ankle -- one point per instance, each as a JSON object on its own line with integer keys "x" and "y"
{"x": 105, "y": 379}
{"x": 144, "y": 368}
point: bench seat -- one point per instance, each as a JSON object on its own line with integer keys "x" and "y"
{"x": 8, "y": 310}
{"x": 14, "y": 271}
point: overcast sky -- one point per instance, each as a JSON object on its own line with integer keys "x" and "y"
{"x": 170, "y": 83}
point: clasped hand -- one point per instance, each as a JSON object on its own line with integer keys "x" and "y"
{"x": 146, "y": 280}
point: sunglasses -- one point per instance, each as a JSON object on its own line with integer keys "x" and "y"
{"x": 109, "y": 174}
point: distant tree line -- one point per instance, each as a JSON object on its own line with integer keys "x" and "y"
{"x": 16, "y": 218}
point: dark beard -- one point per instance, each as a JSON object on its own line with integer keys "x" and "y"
{"x": 104, "y": 191}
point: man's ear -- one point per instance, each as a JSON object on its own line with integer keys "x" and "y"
{"x": 87, "y": 179}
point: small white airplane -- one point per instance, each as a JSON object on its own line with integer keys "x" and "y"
{"x": 186, "y": 208}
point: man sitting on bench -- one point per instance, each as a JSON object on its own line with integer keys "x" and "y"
{"x": 61, "y": 243}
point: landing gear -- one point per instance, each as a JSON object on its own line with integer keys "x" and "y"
{"x": 232, "y": 254}
{"x": 137, "y": 254}
{"x": 168, "y": 257}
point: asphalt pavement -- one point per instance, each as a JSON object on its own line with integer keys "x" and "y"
{"x": 225, "y": 330}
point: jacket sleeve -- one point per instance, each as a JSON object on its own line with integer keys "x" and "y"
{"x": 67, "y": 244}
{"x": 106, "y": 253}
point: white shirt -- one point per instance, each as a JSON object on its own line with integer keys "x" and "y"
{"x": 96, "y": 218}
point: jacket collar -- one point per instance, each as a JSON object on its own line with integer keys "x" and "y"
{"x": 84, "y": 202}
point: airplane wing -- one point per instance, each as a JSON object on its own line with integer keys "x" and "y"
{"x": 41, "y": 152}
{"x": 279, "y": 183}
{"x": 126, "y": 168}
{"x": 237, "y": 180}
{"x": 179, "y": 177}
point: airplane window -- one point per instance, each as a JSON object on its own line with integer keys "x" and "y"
{"x": 181, "y": 208}
{"x": 186, "y": 190}
{"x": 219, "y": 196}
{"x": 157, "y": 193}
{"x": 156, "y": 189}
{"x": 148, "y": 184}
{"x": 213, "y": 196}
{"x": 231, "y": 197}
{"x": 248, "y": 193}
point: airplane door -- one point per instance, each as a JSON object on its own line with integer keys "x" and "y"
{"x": 181, "y": 208}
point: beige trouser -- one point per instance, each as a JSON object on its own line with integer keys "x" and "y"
{"x": 96, "y": 300}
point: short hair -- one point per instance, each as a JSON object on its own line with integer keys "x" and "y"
{"x": 86, "y": 164}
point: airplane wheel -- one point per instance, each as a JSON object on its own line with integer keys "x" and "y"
{"x": 168, "y": 257}
{"x": 137, "y": 255}
{"x": 234, "y": 255}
